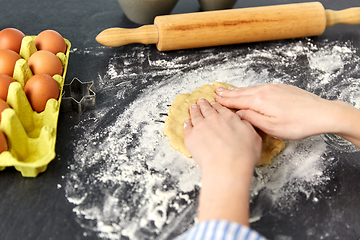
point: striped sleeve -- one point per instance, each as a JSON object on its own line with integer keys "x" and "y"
{"x": 220, "y": 230}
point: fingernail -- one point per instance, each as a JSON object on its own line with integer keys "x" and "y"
{"x": 219, "y": 91}
{"x": 201, "y": 100}
{"x": 213, "y": 102}
{"x": 218, "y": 97}
{"x": 231, "y": 88}
{"x": 194, "y": 106}
{"x": 187, "y": 121}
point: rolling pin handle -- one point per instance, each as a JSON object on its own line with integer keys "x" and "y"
{"x": 347, "y": 16}
{"x": 115, "y": 37}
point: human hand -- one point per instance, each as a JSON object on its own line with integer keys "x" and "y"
{"x": 280, "y": 110}
{"x": 227, "y": 150}
{"x": 217, "y": 138}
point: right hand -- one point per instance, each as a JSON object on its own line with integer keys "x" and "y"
{"x": 280, "y": 110}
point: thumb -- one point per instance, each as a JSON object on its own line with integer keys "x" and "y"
{"x": 255, "y": 118}
{"x": 231, "y": 102}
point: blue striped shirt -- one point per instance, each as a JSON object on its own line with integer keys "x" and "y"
{"x": 220, "y": 230}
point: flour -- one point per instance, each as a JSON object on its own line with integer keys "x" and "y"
{"x": 126, "y": 181}
{"x": 95, "y": 51}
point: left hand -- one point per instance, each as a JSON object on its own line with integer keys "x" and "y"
{"x": 227, "y": 150}
{"x": 217, "y": 137}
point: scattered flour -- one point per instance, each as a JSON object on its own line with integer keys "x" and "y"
{"x": 126, "y": 181}
{"x": 98, "y": 51}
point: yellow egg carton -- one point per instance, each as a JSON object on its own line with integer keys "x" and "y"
{"x": 31, "y": 136}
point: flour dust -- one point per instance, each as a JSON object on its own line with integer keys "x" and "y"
{"x": 126, "y": 182}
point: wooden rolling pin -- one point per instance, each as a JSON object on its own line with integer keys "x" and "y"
{"x": 213, "y": 28}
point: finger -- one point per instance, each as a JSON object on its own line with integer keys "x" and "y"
{"x": 256, "y": 119}
{"x": 219, "y": 108}
{"x": 247, "y": 124}
{"x": 195, "y": 114}
{"x": 239, "y": 102}
{"x": 250, "y": 126}
{"x": 187, "y": 127}
{"x": 233, "y": 92}
{"x": 206, "y": 108}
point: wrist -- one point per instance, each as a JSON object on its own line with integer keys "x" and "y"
{"x": 225, "y": 195}
{"x": 330, "y": 117}
{"x": 227, "y": 174}
{"x": 229, "y": 166}
{"x": 347, "y": 122}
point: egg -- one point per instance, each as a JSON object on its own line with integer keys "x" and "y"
{"x": 3, "y": 106}
{"x": 5, "y": 82}
{"x": 45, "y": 62}
{"x": 50, "y": 40}
{"x": 8, "y": 60}
{"x": 3, "y": 142}
{"x": 11, "y": 38}
{"x": 39, "y": 89}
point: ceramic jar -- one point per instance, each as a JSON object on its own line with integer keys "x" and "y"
{"x": 209, "y": 5}
{"x": 144, "y": 11}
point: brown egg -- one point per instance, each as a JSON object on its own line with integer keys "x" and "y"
{"x": 3, "y": 142}
{"x": 3, "y": 105}
{"x": 8, "y": 60}
{"x": 39, "y": 89}
{"x": 50, "y": 40}
{"x": 45, "y": 62}
{"x": 5, "y": 82}
{"x": 10, "y": 38}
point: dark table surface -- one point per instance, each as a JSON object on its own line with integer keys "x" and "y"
{"x": 113, "y": 177}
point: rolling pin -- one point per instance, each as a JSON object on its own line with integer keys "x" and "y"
{"x": 224, "y": 27}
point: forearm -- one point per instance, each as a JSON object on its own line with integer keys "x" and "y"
{"x": 335, "y": 117}
{"x": 225, "y": 196}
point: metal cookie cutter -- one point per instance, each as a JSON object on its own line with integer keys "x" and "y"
{"x": 77, "y": 96}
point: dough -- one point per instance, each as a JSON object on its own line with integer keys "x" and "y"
{"x": 179, "y": 112}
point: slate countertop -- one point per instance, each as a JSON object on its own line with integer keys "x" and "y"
{"x": 40, "y": 208}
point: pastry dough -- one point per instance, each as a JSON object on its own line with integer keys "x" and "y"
{"x": 179, "y": 112}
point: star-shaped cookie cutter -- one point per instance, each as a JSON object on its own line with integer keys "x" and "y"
{"x": 77, "y": 96}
